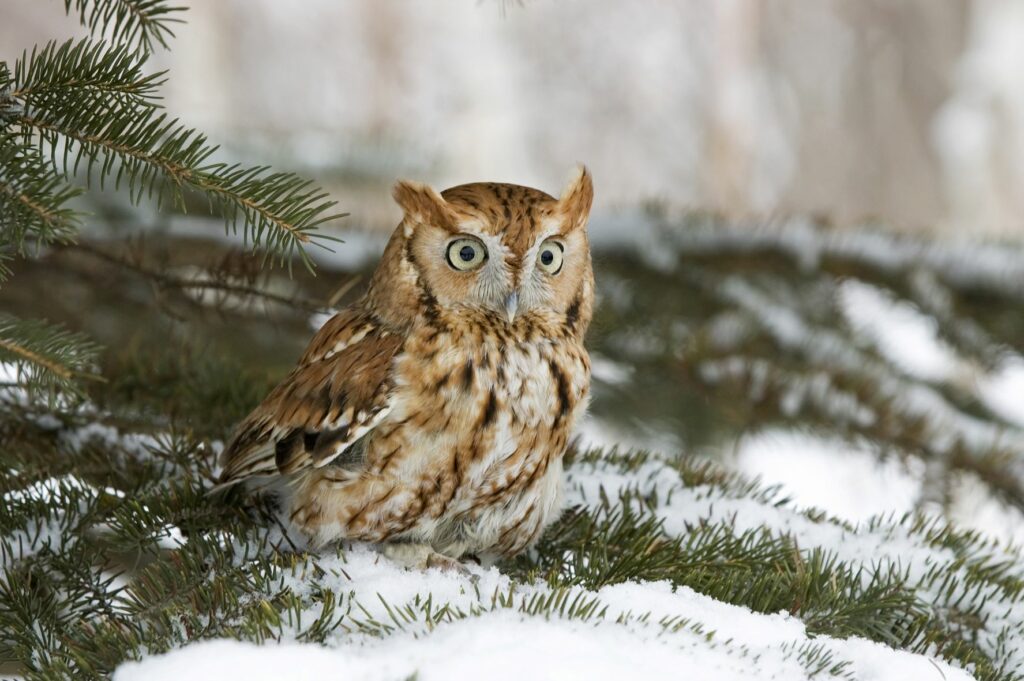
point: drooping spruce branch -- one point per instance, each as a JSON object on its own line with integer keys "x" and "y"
{"x": 137, "y": 23}
{"x": 84, "y": 72}
{"x": 47, "y": 360}
{"x": 106, "y": 119}
{"x": 33, "y": 196}
{"x": 33, "y": 199}
{"x": 89, "y": 109}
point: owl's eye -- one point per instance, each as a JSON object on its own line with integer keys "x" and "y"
{"x": 549, "y": 258}
{"x": 466, "y": 254}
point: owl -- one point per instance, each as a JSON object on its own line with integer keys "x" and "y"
{"x": 431, "y": 416}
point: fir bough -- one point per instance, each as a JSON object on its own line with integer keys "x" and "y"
{"x": 88, "y": 110}
{"x": 46, "y": 359}
{"x": 138, "y": 23}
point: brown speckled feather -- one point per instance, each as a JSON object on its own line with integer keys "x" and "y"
{"x": 338, "y": 391}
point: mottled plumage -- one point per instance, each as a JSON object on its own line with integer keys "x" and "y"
{"x": 432, "y": 416}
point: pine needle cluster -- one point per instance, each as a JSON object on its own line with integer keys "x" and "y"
{"x": 88, "y": 111}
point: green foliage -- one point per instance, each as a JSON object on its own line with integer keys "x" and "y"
{"x": 46, "y": 359}
{"x": 33, "y": 200}
{"x": 93, "y": 110}
{"x": 194, "y": 388}
{"x": 89, "y": 110}
{"x": 750, "y": 334}
{"x": 112, "y": 549}
{"x": 84, "y": 73}
{"x": 137, "y": 23}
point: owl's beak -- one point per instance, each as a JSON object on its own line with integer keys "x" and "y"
{"x": 511, "y": 305}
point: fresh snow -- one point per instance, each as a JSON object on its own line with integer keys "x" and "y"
{"x": 715, "y": 641}
{"x": 634, "y": 630}
{"x": 904, "y": 335}
{"x": 849, "y": 481}
{"x": 505, "y": 645}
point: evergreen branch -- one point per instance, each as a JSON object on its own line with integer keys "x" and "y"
{"x": 46, "y": 358}
{"x": 135, "y": 23}
{"x": 158, "y": 154}
{"x": 84, "y": 73}
{"x": 33, "y": 198}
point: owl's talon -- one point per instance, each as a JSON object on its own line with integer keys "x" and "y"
{"x": 422, "y": 557}
{"x": 448, "y": 564}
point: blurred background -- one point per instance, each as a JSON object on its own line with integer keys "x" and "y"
{"x": 807, "y": 229}
{"x": 910, "y": 113}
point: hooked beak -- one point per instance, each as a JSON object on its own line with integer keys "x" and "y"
{"x": 511, "y": 305}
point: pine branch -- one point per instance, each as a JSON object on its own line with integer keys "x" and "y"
{"x": 84, "y": 73}
{"x": 153, "y": 153}
{"x": 46, "y": 358}
{"x": 87, "y": 101}
{"x": 135, "y": 23}
{"x": 33, "y": 198}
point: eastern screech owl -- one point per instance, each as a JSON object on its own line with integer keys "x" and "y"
{"x": 432, "y": 415}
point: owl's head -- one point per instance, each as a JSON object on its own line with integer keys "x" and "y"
{"x": 502, "y": 249}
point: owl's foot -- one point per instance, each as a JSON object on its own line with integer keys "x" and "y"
{"x": 421, "y": 557}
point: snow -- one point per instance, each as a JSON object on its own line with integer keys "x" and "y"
{"x": 946, "y": 425}
{"x": 964, "y": 262}
{"x": 848, "y": 481}
{"x": 593, "y": 433}
{"x": 628, "y": 630}
{"x": 609, "y": 371}
{"x": 496, "y": 646}
{"x": 46, "y": 533}
{"x": 874, "y": 544}
{"x": 684, "y": 633}
{"x": 652, "y": 629}
{"x": 1002, "y": 389}
{"x": 973, "y": 506}
{"x": 905, "y": 336}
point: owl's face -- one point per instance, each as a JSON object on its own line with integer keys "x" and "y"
{"x": 502, "y": 248}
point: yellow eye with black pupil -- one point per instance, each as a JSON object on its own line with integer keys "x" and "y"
{"x": 466, "y": 254}
{"x": 549, "y": 258}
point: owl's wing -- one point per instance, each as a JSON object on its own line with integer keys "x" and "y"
{"x": 338, "y": 392}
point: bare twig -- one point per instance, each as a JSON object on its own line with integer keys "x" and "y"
{"x": 171, "y": 281}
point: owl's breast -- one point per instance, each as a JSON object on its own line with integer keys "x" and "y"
{"x": 480, "y": 414}
{"x": 526, "y": 375}
{"x": 480, "y": 417}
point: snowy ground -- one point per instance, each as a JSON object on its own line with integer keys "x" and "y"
{"x": 718, "y": 641}
{"x": 632, "y": 630}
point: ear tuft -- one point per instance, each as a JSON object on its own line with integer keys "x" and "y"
{"x": 423, "y": 205}
{"x": 577, "y": 197}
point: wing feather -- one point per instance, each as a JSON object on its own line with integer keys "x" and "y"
{"x": 337, "y": 393}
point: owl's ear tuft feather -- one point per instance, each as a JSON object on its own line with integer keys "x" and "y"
{"x": 423, "y": 205}
{"x": 577, "y": 198}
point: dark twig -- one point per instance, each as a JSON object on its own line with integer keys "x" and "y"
{"x": 166, "y": 280}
